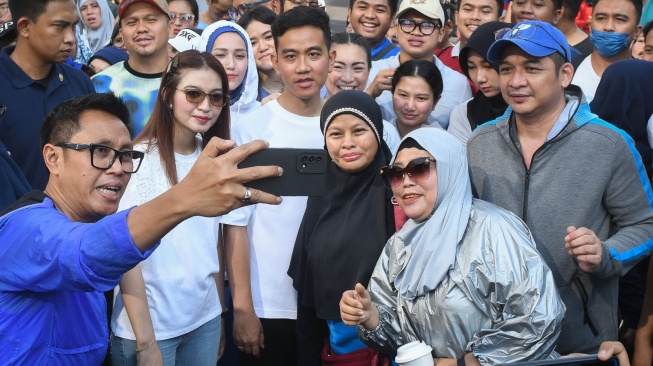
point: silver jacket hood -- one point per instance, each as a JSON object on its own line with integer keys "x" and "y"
{"x": 499, "y": 301}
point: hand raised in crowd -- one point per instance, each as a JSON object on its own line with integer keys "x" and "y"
{"x": 151, "y": 356}
{"x": 248, "y": 332}
{"x": 382, "y": 82}
{"x": 356, "y": 307}
{"x": 216, "y": 184}
{"x": 585, "y": 247}
{"x": 213, "y": 187}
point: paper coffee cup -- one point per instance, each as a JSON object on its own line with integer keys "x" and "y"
{"x": 414, "y": 354}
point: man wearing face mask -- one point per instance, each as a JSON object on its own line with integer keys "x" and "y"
{"x": 614, "y": 25}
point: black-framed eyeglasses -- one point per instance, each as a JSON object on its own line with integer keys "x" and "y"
{"x": 526, "y": 33}
{"x": 311, "y": 3}
{"x": 103, "y": 157}
{"x": 243, "y": 8}
{"x": 417, "y": 169}
{"x": 184, "y": 18}
{"x": 196, "y": 96}
{"x": 426, "y": 28}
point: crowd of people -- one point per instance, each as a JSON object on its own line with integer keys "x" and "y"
{"x": 488, "y": 182}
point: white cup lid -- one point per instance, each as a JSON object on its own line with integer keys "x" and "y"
{"x": 412, "y": 351}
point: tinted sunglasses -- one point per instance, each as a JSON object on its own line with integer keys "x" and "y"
{"x": 417, "y": 169}
{"x": 197, "y": 96}
{"x": 184, "y": 18}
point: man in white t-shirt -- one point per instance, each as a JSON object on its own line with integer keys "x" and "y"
{"x": 259, "y": 241}
{"x": 614, "y": 25}
{"x": 419, "y": 30}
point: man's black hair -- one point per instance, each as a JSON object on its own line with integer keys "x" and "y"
{"x": 558, "y": 60}
{"x": 393, "y": 4}
{"x": 302, "y": 16}
{"x": 259, "y": 13}
{"x": 572, "y": 7}
{"x": 499, "y": 4}
{"x": 647, "y": 28}
{"x": 31, "y": 9}
{"x": 63, "y": 121}
{"x": 636, "y": 3}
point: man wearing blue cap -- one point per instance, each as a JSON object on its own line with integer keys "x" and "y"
{"x": 576, "y": 181}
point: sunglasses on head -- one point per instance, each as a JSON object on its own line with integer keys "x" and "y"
{"x": 417, "y": 169}
{"x": 196, "y": 96}
{"x": 526, "y": 32}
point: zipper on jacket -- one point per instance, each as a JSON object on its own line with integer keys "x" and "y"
{"x": 527, "y": 177}
{"x": 527, "y": 184}
{"x": 512, "y": 122}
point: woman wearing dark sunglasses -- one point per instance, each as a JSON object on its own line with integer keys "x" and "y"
{"x": 462, "y": 274}
{"x": 343, "y": 232}
{"x": 169, "y": 306}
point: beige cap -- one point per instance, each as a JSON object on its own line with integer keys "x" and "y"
{"x": 429, "y": 8}
{"x": 124, "y": 4}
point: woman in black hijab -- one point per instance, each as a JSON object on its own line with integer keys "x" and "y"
{"x": 343, "y": 232}
{"x": 487, "y": 104}
{"x": 624, "y": 98}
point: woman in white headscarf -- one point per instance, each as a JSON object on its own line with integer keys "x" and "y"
{"x": 230, "y": 44}
{"x": 465, "y": 272}
{"x": 98, "y": 23}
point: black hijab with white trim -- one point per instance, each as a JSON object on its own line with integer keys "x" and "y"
{"x": 343, "y": 232}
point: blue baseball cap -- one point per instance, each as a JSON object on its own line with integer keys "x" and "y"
{"x": 539, "y": 39}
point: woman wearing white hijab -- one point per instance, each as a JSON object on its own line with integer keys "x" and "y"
{"x": 465, "y": 272}
{"x": 98, "y": 23}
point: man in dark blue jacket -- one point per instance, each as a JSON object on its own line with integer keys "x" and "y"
{"x": 33, "y": 80}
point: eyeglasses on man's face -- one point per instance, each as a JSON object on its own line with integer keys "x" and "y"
{"x": 184, "y": 18}
{"x": 426, "y": 28}
{"x": 103, "y": 157}
{"x": 196, "y": 96}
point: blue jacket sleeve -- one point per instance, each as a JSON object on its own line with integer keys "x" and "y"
{"x": 42, "y": 250}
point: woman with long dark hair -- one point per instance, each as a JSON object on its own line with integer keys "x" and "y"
{"x": 169, "y": 306}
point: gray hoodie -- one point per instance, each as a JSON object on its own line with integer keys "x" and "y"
{"x": 590, "y": 175}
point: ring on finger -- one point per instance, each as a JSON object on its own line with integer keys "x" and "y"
{"x": 248, "y": 195}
